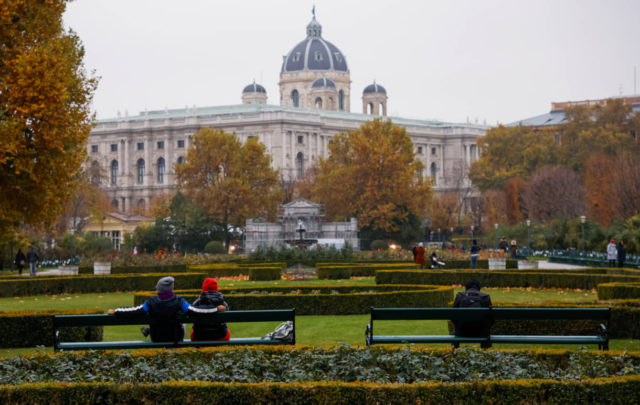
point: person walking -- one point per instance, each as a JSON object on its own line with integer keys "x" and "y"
{"x": 612, "y": 253}
{"x": 420, "y": 255}
{"x": 21, "y": 261}
{"x": 475, "y": 251}
{"x": 622, "y": 254}
{"x": 32, "y": 259}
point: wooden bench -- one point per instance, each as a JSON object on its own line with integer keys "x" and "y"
{"x": 278, "y": 315}
{"x": 477, "y": 314}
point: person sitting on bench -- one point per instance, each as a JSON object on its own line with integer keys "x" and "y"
{"x": 209, "y": 299}
{"x": 165, "y": 326}
{"x": 472, "y": 298}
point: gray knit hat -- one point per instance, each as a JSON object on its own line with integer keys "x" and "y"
{"x": 165, "y": 284}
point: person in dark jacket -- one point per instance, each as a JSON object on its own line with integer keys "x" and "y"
{"x": 622, "y": 254}
{"x": 164, "y": 309}
{"x": 209, "y": 299}
{"x": 32, "y": 259}
{"x": 472, "y": 298}
{"x": 21, "y": 260}
{"x": 475, "y": 251}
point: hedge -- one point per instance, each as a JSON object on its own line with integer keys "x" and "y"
{"x": 168, "y": 268}
{"x": 326, "y": 300}
{"x": 497, "y": 278}
{"x": 235, "y": 270}
{"x": 35, "y": 328}
{"x": 611, "y": 291}
{"x": 334, "y": 273}
{"x": 90, "y": 284}
{"x": 265, "y": 273}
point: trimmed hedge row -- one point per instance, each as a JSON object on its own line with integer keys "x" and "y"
{"x": 235, "y": 270}
{"x": 621, "y": 390}
{"x": 35, "y": 328}
{"x": 169, "y": 268}
{"x": 91, "y": 284}
{"x": 496, "y": 278}
{"x": 615, "y": 291}
{"x": 326, "y": 300}
{"x": 265, "y": 273}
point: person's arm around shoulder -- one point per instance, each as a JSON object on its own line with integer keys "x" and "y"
{"x": 130, "y": 311}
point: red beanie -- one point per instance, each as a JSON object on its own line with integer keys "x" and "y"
{"x": 209, "y": 284}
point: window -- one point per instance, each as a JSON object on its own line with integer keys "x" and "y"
{"x": 295, "y": 98}
{"x": 317, "y": 55}
{"x": 338, "y": 56}
{"x": 114, "y": 172}
{"x": 140, "y": 145}
{"x": 433, "y": 151}
{"x": 94, "y": 148}
{"x": 140, "y": 171}
{"x": 341, "y": 100}
{"x": 114, "y": 147}
{"x": 161, "y": 170}
{"x": 114, "y": 203}
{"x": 419, "y": 150}
{"x": 557, "y": 138}
{"x": 299, "y": 164}
{"x": 95, "y": 173}
{"x": 300, "y": 139}
{"x": 181, "y": 143}
{"x": 115, "y": 238}
{"x": 434, "y": 170}
{"x": 369, "y": 108}
{"x": 318, "y": 102}
{"x": 296, "y": 57}
{"x": 180, "y": 160}
{"x": 160, "y": 144}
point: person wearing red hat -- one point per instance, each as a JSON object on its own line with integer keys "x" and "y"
{"x": 210, "y": 300}
{"x": 612, "y": 253}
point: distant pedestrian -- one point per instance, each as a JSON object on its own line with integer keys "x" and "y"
{"x": 420, "y": 255}
{"x": 21, "y": 261}
{"x": 32, "y": 259}
{"x": 503, "y": 246}
{"x": 612, "y": 253}
{"x": 414, "y": 250}
{"x": 475, "y": 251}
{"x": 622, "y": 254}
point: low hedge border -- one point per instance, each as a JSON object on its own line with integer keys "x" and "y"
{"x": 35, "y": 328}
{"x": 326, "y": 300}
{"x": 235, "y": 270}
{"x": 616, "y": 291}
{"x": 497, "y": 278}
{"x": 92, "y": 284}
{"x": 169, "y": 268}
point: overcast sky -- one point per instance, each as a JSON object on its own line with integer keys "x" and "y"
{"x": 447, "y": 60}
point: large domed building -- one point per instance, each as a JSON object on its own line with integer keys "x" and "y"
{"x": 139, "y": 152}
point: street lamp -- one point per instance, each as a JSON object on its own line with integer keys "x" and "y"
{"x": 583, "y": 219}
{"x": 528, "y": 234}
{"x": 496, "y": 226}
{"x": 472, "y": 232}
{"x": 439, "y": 236}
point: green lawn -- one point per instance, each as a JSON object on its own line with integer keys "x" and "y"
{"x": 311, "y": 330}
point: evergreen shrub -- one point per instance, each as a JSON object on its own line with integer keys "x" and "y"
{"x": 214, "y": 247}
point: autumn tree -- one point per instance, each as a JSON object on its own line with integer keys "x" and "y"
{"x": 372, "y": 174}
{"x": 45, "y": 118}
{"x": 554, "y": 192}
{"x": 444, "y": 211}
{"x": 231, "y": 180}
{"x": 493, "y": 208}
{"x": 514, "y": 207}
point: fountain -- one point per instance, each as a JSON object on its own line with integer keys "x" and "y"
{"x": 301, "y": 242}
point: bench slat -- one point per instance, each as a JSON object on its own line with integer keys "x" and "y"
{"x": 137, "y": 344}
{"x": 551, "y": 313}
{"x": 408, "y": 314}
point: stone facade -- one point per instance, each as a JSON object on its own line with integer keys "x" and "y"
{"x": 300, "y": 211}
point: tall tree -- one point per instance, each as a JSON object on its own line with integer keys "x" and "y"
{"x": 372, "y": 174}
{"x": 45, "y": 118}
{"x": 514, "y": 206}
{"x": 554, "y": 192}
{"x": 231, "y": 180}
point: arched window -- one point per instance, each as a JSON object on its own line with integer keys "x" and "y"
{"x": 114, "y": 204}
{"x": 295, "y": 98}
{"x": 299, "y": 164}
{"x": 434, "y": 170}
{"x": 141, "y": 205}
{"x": 180, "y": 160}
{"x": 369, "y": 108}
{"x": 318, "y": 102}
{"x": 161, "y": 170}
{"x": 382, "y": 110}
{"x": 140, "y": 171}
{"x": 95, "y": 173}
{"x": 341, "y": 100}
{"x": 114, "y": 172}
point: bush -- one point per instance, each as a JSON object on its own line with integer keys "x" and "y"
{"x": 334, "y": 273}
{"x": 497, "y": 278}
{"x": 35, "y": 328}
{"x": 379, "y": 245}
{"x": 214, "y": 247}
{"x": 265, "y": 273}
{"x": 612, "y": 291}
{"x": 326, "y": 300}
{"x": 11, "y": 287}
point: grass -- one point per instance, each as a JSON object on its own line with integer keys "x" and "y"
{"x": 310, "y": 330}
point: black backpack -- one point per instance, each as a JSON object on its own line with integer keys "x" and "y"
{"x": 473, "y": 299}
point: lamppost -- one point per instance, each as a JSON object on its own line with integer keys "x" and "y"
{"x": 496, "y": 226}
{"x": 583, "y": 219}
{"x": 451, "y": 229}
{"x": 528, "y": 234}
{"x": 472, "y": 232}
{"x": 439, "y": 236}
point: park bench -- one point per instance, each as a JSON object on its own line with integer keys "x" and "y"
{"x": 568, "y": 314}
{"x": 279, "y": 315}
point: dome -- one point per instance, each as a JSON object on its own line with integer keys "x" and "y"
{"x": 374, "y": 88}
{"x": 254, "y": 88}
{"x": 314, "y": 53}
{"x": 324, "y": 82}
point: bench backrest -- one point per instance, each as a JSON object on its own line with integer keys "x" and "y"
{"x": 496, "y": 313}
{"x": 406, "y": 314}
{"x": 279, "y": 315}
